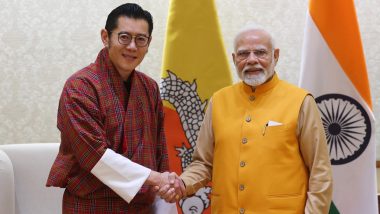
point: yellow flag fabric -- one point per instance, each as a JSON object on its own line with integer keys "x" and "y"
{"x": 333, "y": 69}
{"x": 195, "y": 65}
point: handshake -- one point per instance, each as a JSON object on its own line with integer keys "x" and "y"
{"x": 169, "y": 186}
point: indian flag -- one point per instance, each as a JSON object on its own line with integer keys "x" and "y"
{"x": 333, "y": 69}
{"x": 195, "y": 65}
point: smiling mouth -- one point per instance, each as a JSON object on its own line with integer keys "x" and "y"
{"x": 129, "y": 57}
{"x": 253, "y": 70}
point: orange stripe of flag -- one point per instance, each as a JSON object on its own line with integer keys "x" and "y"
{"x": 336, "y": 21}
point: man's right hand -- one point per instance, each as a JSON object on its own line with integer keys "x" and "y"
{"x": 170, "y": 187}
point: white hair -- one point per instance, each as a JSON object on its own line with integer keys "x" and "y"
{"x": 254, "y": 27}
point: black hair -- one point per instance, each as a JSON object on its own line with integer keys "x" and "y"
{"x": 129, "y": 10}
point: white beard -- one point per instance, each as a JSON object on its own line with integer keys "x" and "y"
{"x": 257, "y": 79}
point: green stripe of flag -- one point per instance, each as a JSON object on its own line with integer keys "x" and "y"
{"x": 333, "y": 209}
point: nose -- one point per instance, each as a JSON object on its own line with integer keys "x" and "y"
{"x": 252, "y": 58}
{"x": 132, "y": 45}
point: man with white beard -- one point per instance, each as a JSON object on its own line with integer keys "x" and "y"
{"x": 262, "y": 142}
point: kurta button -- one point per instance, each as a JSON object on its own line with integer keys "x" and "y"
{"x": 242, "y": 210}
{"x": 248, "y": 119}
{"x": 241, "y": 187}
{"x": 242, "y": 164}
{"x": 244, "y": 140}
{"x": 252, "y": 98}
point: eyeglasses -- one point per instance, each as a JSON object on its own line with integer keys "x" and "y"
{"x": 259, "y": 54}
{"x": 126, "y": 38}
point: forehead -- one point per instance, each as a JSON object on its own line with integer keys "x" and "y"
{"x": 132, "y": 25}
{"x": 253, "y": 39}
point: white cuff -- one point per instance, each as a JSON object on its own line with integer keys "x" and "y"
{"x": 120, "y": 174}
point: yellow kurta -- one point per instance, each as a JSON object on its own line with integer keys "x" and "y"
{"x": 265, "y": 151}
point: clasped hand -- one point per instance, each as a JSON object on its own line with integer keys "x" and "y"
{"x": 170, "y": 187}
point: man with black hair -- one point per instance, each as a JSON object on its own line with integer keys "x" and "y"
{"x": 110, "y": 117}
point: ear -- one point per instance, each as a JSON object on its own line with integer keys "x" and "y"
{"x": 150, "y": 39}
{"x": 234, "y": 58}
{"x": 105, "y": 38}
{"x": 276, "y": 55}
{"x": 147, "y": 47}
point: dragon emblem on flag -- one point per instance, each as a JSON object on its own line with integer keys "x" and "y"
{"x": 185, "y": 99}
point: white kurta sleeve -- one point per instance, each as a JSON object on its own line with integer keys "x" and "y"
{"x": 120, "y": 174}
